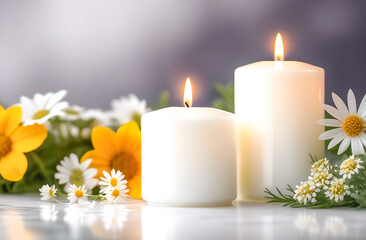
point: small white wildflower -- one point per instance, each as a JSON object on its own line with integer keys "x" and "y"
{"x": 350, "y": 166}
{"x": 48, "y": 192}
{"x": 305, "y": 192}
{"x": 321, "y": 180}
{"x": 321, "y": 165}
{"x": 111, "y": 181}
{"x": 118, "y": 194}
{"x": 77, "y": 194}
{"x": 337, "y": 190}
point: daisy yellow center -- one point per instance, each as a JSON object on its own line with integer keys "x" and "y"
{"x": 349, "y": 165}
{"x": 5, "y": 145}
{"x": 50, "y": 192}
{"x": 115, "y": 193}
{"x": 337, "y": 188}
{"x": 353, "y": 125}
{"x": 77, "y": 178}
{"x": 126, "y": 163}
{"x": 113, "y": 182}
{"x": 79, "y": 193}
{"x": 40, "y": 114}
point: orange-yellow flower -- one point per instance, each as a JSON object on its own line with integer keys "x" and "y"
{"x": 15, "y": 140}
{"x": 119, "y": 151}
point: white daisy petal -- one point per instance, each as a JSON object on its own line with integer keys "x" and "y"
{"x": 90, "y": 184}
{"x": 357, "y": 147}
{"x": 344, "y": 145}
{"x": 330, "y": 134}
{"x": 84, "y": 165}
{"x": 341, "y": 106}
{"x": 90, "y": 173}
{"x": 363, "y": 138}
{"x": 362, "y": 108}
{"x": 337, "y": 139}
{"x": 351, "y": 102}
{"x": 55, "y": 98}
{"x": 63, "y": 169}
{"x": 60, "y": 106}
{"x": 334, "y": 112}
{"x": 330, "y": 122}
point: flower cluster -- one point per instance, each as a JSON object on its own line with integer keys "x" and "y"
{"x": 323, "y": 179}
{"x": 113, "y": 189}
{"x": 330, "y": 185}
{"x": 71, "y": 148}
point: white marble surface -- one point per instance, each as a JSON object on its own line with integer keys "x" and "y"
{"x": 26, "y": 217}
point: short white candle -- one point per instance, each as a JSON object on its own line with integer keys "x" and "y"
{"x": 188, "y": 157}
{"x": 277, "y": 104}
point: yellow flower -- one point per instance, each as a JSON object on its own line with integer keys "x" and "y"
{"x": 15, "y": 140}
{"x": 120, "y": 151}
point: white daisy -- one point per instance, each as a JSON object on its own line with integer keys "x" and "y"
{"x": 110, "y": 181}
{"x": 101, "y": 118}
{"x": 118, "y": 194}
{"x": 48, "y": 192}
{"x": 42, "y": 107}
{"x": 78, "y": 194}
{"x": 128, "y": 109}
{"x": 350, "y": 166}
{"x": 349, "y": 124}
{"x": 71, "y": 171}
{"x": 306, "y": 192}
{"x": 337, "y": 190}
{"x": 73, "y": 112}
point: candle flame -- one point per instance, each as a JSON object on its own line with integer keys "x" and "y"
{"x": 279, "y": 55}
{"x": 187, "y": 101}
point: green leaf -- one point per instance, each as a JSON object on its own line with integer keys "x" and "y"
{"x": 225, "y": 101}
{"x": 164, "y": 100}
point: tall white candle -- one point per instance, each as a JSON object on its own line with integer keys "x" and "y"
{"x": 277, "y": 104}
{"x": 188, "y": 156}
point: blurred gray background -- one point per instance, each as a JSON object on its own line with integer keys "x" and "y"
{"x": 99, "y": 50}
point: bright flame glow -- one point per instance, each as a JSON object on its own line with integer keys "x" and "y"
{"x": 279, "y": 53}
{"x": 187, "y": 101}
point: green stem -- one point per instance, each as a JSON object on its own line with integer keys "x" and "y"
{"x": 41, "y": 166}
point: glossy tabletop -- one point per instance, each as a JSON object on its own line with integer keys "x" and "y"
{"x": 26, "y": 217}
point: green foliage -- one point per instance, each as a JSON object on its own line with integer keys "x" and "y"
{"x": 225, "y": 101}
{"x": 164, "y": 100}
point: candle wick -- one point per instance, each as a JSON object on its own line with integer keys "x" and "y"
{"x": 186, "y": 104}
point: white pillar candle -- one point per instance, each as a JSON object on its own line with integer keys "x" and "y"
{"x": 277, "y": 104}
{"x": 188, "y": 157}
